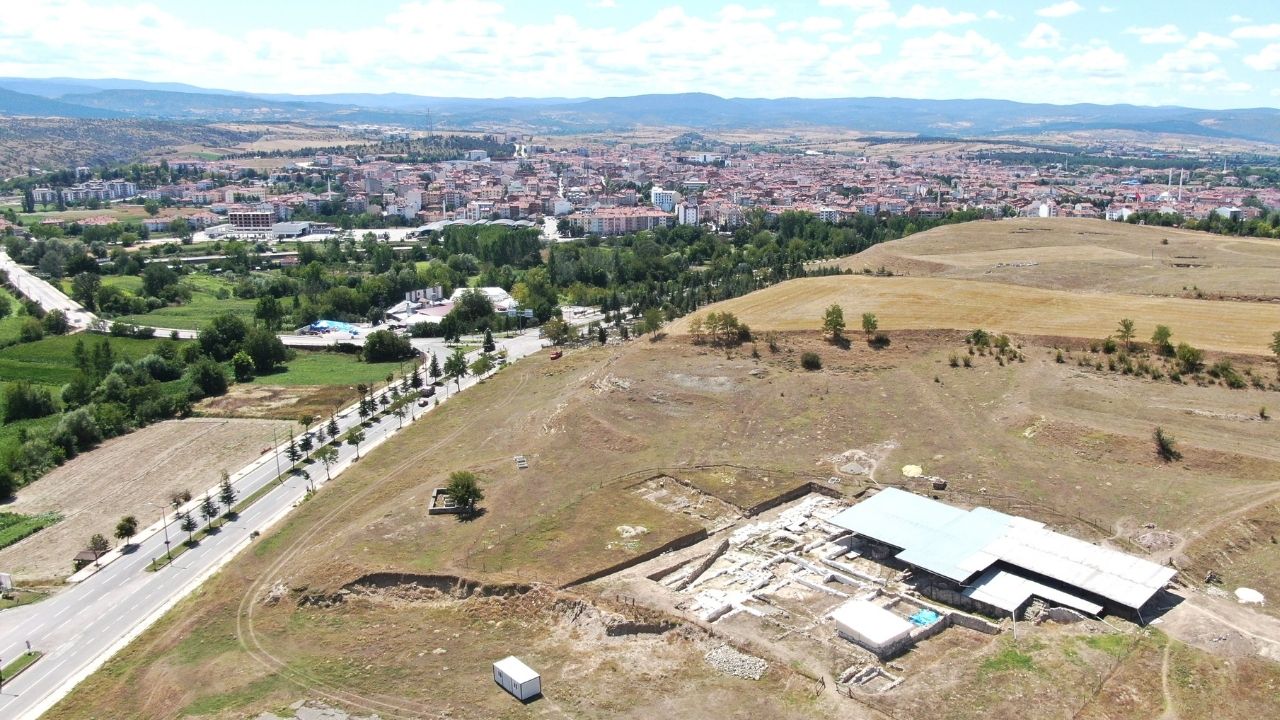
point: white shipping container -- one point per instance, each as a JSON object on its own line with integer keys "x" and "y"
{"x": 517, "y": 678}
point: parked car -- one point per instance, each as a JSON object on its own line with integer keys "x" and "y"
{"x": 556, "y": 354}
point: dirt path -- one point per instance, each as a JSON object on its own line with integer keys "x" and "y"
{"x": 1223, "y": 627}
{"x": 1169, "y": 712}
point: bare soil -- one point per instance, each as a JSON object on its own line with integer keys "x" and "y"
{"x": 95, "y": 489}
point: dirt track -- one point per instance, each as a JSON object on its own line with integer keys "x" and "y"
{"x": 94, "y": 490}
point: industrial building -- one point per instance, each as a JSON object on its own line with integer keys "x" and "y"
{"x": 997, "y": 563}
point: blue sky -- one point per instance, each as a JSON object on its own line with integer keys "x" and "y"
{"x": 1221, "y": 54}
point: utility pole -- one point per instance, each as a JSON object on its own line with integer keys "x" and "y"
{"x": 275, "y": 450}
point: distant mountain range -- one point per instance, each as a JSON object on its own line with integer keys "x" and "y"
{"x": 118, "y": 98}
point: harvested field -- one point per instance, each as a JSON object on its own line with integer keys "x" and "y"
{"x": 277, "y": 402}
{"x": 913, "y": 303}
{"x": 1090, "y": 255}
{"x": 96, "y": 489}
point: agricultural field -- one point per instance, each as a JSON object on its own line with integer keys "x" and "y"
{"x": 1086, "y": 255}
{"x": 331, "y": 368}
{"x": 293, "y": 617}
{"x": 921, "y": 303}
{"x": 121, "y": 477}
{"x": 10, "y": 324}
{"x": 210, "y": 297}
{"x": 51, "y": 361}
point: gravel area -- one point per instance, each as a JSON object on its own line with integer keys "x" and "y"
{"x": 731, "y": 662}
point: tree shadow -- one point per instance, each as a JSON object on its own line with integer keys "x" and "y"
{"x": 471, "y": 515}
{"x": 841, "y": 342}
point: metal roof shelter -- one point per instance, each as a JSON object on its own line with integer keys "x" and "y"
{"x": 958, "y": 544}
{"x": 870, "y": 625}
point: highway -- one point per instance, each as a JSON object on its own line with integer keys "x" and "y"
{"x": 81, "y": 627}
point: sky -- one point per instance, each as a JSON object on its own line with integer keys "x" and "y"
{"x": 1179, "y": 52}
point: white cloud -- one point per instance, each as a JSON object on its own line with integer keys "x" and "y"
{"x": 1238, "y": 19}
{"x": 1042, "y": 37}
{"x": 1189, "y": 62}
{"x": 1062, "y": 9}
{"x": 1267, "y": 59}
{"x": 1205, "y": 41}
{"x": 1098, "y": 62}
{"x": 1106, "y": 9}
{"x": 737, "y": 12}
{"x": 995, "y": 15}
{"x": 1238, "y": 87}
{"x": 857, "y": 5}
{"x": 813, "y": 25}
{"x": 1257, "y": 32}
{"x": 927, "y": 17}
{"x": 1163, "y": 35}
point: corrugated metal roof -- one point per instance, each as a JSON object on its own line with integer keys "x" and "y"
{"x": 1008, "y": 592}
{"x": 957, "y": 544}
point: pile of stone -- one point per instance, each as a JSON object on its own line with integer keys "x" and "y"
{"x": 731, "y": 662}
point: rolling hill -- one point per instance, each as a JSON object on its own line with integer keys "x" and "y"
{"x": 972, "y": 118}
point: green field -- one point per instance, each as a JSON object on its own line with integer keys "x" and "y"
{"x": 11, "y": 323}
{"x": 128, "y": 283}
{"x": 329, "y": 368}
{"x": 204, "y": 305}
{"x": 11, "y": 434}
{"x": 15, "y": 526}
{"x": 51, "y": 361}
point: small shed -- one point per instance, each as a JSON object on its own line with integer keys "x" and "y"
{"x": 517, "y": 678}
{"x": 871, "y": 626}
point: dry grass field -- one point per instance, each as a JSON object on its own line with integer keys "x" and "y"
{"x": 96, "y": 489}
{"x": 293, "y": 619}
{"x": 1086, "y": 255}
{"x": 918, "y": 303}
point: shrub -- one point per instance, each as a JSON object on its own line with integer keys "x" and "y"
{"x": 968, "y": 361}
{"x": 1109, "y": 346}
{"x": 23, "y": 401}
{"x": 30, "y": 331}
{"x": 879, "y": 340}
{"x": 954, "y": 360}
{"x": 1190, "y": 359}
{"x": 207, "y": 377}
{"x": 810, "y": 361}
{"x": 1165, "y": 446}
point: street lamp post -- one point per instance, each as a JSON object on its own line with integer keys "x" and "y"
{"x": 164, "y": 523}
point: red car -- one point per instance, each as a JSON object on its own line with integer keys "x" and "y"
{"x": 556, "y": 354}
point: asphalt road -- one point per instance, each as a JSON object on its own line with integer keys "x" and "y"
{"x": 48, "y": 296}
{"x": 81, "y": 627}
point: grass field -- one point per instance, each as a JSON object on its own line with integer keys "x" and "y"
{"x": 330, "y": 368}
{"x": 51, "y": 361}
{"x": 203, "y": 306}
{"x": 1086, "y": 255}
{"x": 917, "y": 303}
{"x": 1042, "y": 439}
{"x": 10, "y": 324}
{"x": 16, "y": 526}
{"x": 128, "y": 283}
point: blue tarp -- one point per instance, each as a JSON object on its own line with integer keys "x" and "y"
{"x": 324, "y": 326}
{"x": 924, "y": 618}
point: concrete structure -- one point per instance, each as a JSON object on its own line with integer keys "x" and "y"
{"x": 620, "y": 220}
{"x": 998, "y": 563}
{"x": 290, "y": 230}
{"x": 517, "y": 678}
{"x": 664, "y": 200}
{"x": 251, "y": 220}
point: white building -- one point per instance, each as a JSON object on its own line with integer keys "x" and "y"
{"x": 686, "y": 214}
{"x": 664, "y": 200}
{"x": 517, "y": 678}
{"x": 871, "y": 626}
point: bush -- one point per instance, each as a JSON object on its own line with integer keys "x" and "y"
{"x": 1190, "y": 359}
{"x": 810, "y": 361}
{"x": 31, "y": 331}
{"x": 1165, "y": 446}
{"x": 954, "y": 360}
{"x": 23, "y": 401}
{"x": 242, "y": 366}
{"x": 207, "y": 377}
{"x": 1109, "y": 346}
{"x": 879, "y": 340}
